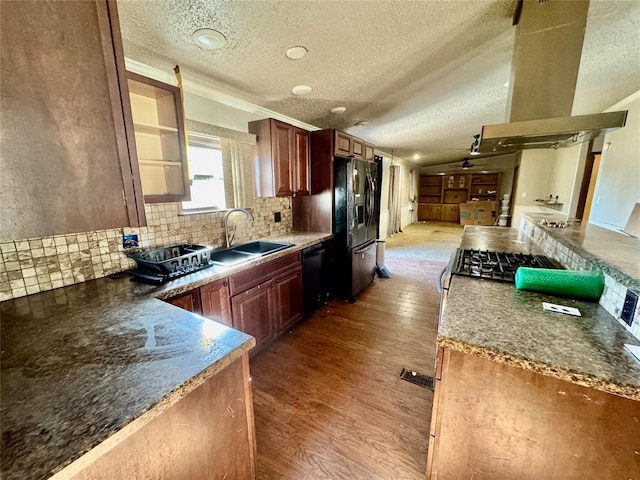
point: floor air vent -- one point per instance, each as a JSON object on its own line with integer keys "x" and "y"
{"x": 414, "y": 377}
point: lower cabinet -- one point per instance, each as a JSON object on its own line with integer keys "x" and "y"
{"x": 287, "y": 299}
{"x": 215, "y": 301}
{"x": 267, "y": 299}
{"x": 252, "y": 313}
{"x": 450, "y": 213}
{"x": 188, "y": 301}
{"x": 262, "y": 301}
{"x": 427, "y": 211}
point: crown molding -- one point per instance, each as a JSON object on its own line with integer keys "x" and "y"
{"x": 210, "y": 93}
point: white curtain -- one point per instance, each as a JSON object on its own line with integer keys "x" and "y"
{"x": 395, "y": 214}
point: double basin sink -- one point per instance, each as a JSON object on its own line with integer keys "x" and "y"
{"x": 245, "y": 252}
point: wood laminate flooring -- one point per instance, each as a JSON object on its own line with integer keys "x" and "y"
{"x": 329, "y": 402}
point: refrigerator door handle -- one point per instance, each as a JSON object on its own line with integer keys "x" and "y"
{"x": 364, "y": 247}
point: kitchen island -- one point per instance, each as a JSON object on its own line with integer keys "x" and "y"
{"x": 524, "y": 393}
{"x": 98, "y": 368}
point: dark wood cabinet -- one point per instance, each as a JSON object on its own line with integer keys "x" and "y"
{"x": 287, "y": 299}
{"x": 216, "y": 303}
{"x": 343, "y": 146}
{"x": 188, "y": 301}
{"x": 252, "y": 313}
{"x": 301, "y": 162}
{"x": 282, "y": 158}
{"x": 67, "y": 165}
{"x": 267, "y": 299}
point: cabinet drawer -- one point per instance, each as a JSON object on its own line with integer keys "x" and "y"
{"x": 250, "y": 278}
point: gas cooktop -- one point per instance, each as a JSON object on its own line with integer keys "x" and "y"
{"x": 499, "y": 266}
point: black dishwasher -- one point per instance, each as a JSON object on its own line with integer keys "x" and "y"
{"x": 314, "y": 277}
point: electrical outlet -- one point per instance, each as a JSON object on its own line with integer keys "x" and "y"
{"x": 277, "y": 217}
{"x": 629, "y": 307}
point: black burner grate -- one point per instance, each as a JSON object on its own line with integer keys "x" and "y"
{"x": 499, "y": 266}
{"x": 414, "y": 377}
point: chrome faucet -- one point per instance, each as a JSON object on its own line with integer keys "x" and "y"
{"x": 229, "y": 238}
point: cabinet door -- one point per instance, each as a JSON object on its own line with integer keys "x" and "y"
{"x": 281, "y": 142}
{"x": 358, "y": 147}
{"x": 251, "y": 313}
{"x": 287, "y": 299}
{"x": 450, "y": 213}
{"x": 427, "y": 211}
{"x": 369, "y": 152}
{"x": 159, "y": 139}
{"x": 216, "y": 304}
{"x": 343, "y": 147}
{"x": 67, "y": 165}
{"x": 301, "y": 162}
{"x": 188, "y": 301}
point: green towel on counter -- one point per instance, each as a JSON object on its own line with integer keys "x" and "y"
{"x": 587, "y": 284}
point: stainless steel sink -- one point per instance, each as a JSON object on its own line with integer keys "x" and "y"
{"x": 246, "y": 252}
{"x": 230, "y": 257}
{"x": 261, "y": 248}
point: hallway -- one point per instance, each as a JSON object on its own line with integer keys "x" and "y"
{"x": 329, "y": 403}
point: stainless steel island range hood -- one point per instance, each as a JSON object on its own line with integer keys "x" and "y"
{"x": 544, "y": 71}
{"x": 556, "y": 132}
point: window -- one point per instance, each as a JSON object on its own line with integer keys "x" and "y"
{"x": 206, "y": 175}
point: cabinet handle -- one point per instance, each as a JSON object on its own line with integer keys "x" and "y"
{"x": 225, "y": 284}
{"x": 273, "y": 285}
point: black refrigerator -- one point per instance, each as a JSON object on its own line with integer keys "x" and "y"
{"x": 355, "y": 225}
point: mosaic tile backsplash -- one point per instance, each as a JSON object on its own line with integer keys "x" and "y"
{"x": 38, "y": 264}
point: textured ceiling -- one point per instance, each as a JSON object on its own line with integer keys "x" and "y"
{"x": 426, "y": 75}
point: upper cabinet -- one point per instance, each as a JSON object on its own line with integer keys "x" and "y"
{"x": 358, "y": 147}
{"x": 67, "y": 166}
{"x": 160, "y": 139}
{"x": 281, "y": 158}
{"x": 369, "y": 150}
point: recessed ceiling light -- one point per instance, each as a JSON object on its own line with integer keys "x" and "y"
{"x": 296, "y": 53}
{"x": 361, "y": 123}
{"x": 338, "y": 110}
{"x": 208, "y": 38}
{"x": 416, "y": 157}
{"x": 301, "y": 90}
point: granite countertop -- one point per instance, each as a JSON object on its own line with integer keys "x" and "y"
{"x": 615, "y": 253}
{"x": 81, "y": 362}
{"x": 496, "y": 321}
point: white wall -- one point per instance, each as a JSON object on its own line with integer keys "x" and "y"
{"x": 618, "y": 184}
{"x": 215, "y": 113}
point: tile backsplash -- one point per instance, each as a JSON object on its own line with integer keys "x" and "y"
{"x": 39, "y": 264}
